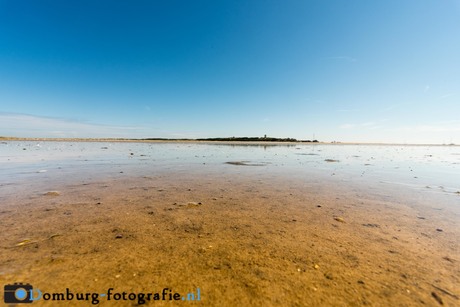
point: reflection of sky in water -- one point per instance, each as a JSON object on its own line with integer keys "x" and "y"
{"x": 416, "y": 166}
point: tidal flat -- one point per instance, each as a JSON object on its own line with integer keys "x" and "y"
{"x": 246, "y": 224}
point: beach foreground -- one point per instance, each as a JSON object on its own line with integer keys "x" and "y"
{"x": 231, "y": 234}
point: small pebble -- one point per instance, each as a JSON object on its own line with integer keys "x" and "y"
{"x": 328, "y": 276}
{"x": 192, "y": 204}
{"x": 371, "y": 225}
{"x": 52, "y": 193}
{"x": 119, "y": 236}
{"x": 339, "y": 219}
{"x": 439, "y": 229}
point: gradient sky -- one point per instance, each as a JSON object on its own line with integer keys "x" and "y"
{"x": 349, "y": 70}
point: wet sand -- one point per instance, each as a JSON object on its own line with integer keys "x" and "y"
{"x": 246, "y": 236}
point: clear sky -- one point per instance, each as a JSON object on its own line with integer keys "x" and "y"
{"x": 348, "y": 70}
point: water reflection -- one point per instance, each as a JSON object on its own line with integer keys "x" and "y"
{"x": 421, "y": 166}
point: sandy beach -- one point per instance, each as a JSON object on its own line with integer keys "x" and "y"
{"x": 290, "y": 226}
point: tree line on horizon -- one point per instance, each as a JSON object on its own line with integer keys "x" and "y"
{"x": 242, "y": 139}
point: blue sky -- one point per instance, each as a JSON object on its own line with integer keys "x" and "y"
{"x": 369, "y": 71}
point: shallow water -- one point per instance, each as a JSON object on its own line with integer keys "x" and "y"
{"x": 415, "y": 167}
{"x": 304, "y": 224}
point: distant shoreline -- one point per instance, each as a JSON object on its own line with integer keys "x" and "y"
{"x": 235, "y": 141}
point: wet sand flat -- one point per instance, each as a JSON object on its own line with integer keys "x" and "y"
{"x": 270, "y": 230}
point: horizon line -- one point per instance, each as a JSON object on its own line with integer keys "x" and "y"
{"x": 217, "y": 140}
